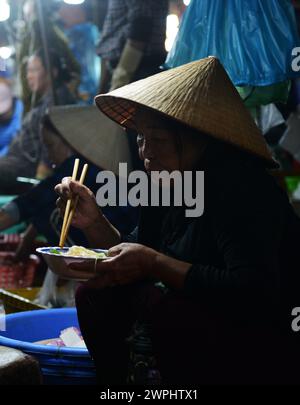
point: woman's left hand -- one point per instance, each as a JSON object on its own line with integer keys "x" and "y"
{"x": 126, "y": 263}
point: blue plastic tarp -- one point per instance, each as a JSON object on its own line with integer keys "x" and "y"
{"x": 253, "y": 39}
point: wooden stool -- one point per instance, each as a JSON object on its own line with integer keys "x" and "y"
{"x": 18, "y": 368}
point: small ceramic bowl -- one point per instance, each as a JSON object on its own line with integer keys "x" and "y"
{"x": 58, "y": 262}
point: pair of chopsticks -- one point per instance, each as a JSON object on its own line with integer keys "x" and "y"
{"x": 71, "y": 204}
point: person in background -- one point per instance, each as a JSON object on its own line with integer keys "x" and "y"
{"x": 26, "y": 155}
{"x": 132, "y": 47}
{"x": 11, "y": 109}
{"x": 83, "y": 37}
{"x": 132, "y": 44}
{"x": 32, "y": 43}
{"x": 65, "y": 140}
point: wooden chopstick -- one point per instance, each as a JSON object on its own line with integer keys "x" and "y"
{"x": 68, "y": 206}
{"x": 71, "y": 214}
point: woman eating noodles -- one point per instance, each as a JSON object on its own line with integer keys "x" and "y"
{"x": 219, "y": 313}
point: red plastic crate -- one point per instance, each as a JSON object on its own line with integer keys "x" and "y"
{"x": 17, "y": 274}
{"x": 10, "y": 242}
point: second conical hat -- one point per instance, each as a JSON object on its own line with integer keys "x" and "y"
{"x": 200, "y": 95}
{"x": 93, "y": 135}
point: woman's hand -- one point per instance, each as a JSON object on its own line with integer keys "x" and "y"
{"x": 87, "y": 213}
{"x": 127, "y": 263}
{"x": 88, "y": 216}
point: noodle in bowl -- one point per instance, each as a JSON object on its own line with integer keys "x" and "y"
{"x": 58, "y": 259}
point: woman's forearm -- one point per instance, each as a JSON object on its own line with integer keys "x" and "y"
{"x": 170, "y": 271}
{"x": 102, "y": 234}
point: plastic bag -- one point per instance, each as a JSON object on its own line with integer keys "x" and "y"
{"x": 290, "y": 140}
{"x": 83, "y": 39}
{"x": 253, "y": 39}
{"x": 269, "y": 117}
{"x": 51, "y": 295}
{"x": 264, "y": 95}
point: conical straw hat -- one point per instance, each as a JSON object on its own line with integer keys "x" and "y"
{"x": 93, "y": 135}
{"x": 199, "y": 95}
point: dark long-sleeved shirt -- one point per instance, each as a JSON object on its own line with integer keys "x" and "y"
{"x": 143, "y": 20}
{"x": 242, "y": 250}
{"x": 38, "y": 204}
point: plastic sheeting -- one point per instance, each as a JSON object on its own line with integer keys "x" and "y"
{"x": 83, "y": 39}
{"x": 253, "y": 39}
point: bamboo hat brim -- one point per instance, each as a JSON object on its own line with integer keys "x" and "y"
{"x": 92, "y": 135}
{"x": 200, "y": 95}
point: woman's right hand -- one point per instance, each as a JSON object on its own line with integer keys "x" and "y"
{"x": 87, "y": 213}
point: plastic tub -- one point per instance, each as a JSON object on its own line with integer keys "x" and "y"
{"x": 17, "y": 274}
{"x": 59, "y": 365}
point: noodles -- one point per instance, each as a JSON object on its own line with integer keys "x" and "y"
{"x": 83, "y": 252}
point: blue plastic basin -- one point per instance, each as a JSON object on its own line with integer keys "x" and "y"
{"x": 59, "y": 365}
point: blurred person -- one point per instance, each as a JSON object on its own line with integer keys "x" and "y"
{"x": 11, "y": 109}
{"x": 26, "y": 153}
{"x": 68, "y": 132}
{"x": 33, "y": 41}
{"x": 83, "y": 37}
{"x": 132, "y": 47}
{"x": 132, "y": 44}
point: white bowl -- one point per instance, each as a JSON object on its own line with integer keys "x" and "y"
{"x": 58, "y": 263}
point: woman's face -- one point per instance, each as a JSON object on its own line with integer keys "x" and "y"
{"x": 37, "y": 76}
{"x": 162, "y": 149}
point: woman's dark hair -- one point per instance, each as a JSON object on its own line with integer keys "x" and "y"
{"x": 219, "y": 152}
{"x": 216, "y": 151}
{"x": 57, "y": 62}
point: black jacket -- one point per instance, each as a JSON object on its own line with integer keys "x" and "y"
{"x": 243, "y": 250}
